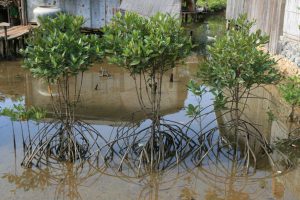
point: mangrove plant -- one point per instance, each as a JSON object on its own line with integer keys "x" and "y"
{"x": 236, "y": 65}
{"x": 59, "y": 53}
{"x": 147, "y": 48}
{"x": 290, "y": 90}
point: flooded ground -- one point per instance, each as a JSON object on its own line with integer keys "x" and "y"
{"x": 109, "y": 101}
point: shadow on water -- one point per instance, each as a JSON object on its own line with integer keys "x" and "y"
{"x": 118, "y": 152}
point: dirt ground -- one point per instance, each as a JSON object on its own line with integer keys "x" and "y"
{"x": 287, "y": 67}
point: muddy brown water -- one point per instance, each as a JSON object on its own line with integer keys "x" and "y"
{"x": 107, "y": 101}
{"x": 111, "y": 102}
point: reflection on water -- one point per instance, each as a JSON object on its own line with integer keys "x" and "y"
{"x": 211, "y": 28}
{"x": 66, "y": 181}
{"x": 102, "y": 98}
{"x": 110, "y": 100}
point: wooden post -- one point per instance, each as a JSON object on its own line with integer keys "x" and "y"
{"x": 8, "y": 14}
{"x": 186, "y": 17}
{"x": 277, "y": 20}
{"x": 6, "y": 41}
{"x": 23, "y": 12}
{"x": 5, "y": 25}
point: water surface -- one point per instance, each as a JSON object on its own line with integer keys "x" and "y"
{"x": 109, "y": 101}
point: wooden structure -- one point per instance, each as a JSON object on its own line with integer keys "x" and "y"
{"x": 190, "y": 10}
{"x": 5, "y": 25}
{"x": 13, "y": 28}
{"x": 12, "y": 38}
{"x": 20, "y": 12}
{"x": 276, "y": 18}
{"x": 194, "y": 15}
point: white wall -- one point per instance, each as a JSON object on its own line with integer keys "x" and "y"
{"x": 97, "y": 13}
{"x": 32, "y": 4}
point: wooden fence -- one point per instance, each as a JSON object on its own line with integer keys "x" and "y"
{"x": 269, "y": 16}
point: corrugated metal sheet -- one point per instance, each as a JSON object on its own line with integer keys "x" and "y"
{"x": 149, "y": 8}
{"x": 97, "y": 13}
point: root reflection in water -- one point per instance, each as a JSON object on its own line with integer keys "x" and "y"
{"x": 150, "y": 146}
{"x": 58, "y": 141}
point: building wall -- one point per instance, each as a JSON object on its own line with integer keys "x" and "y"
{"x": 149, "y": 8}
{"x": 32, "y": 4}
{"x": 97, "y": 13}
{"x": 280, "y": 19}
{"x": 290, "y": 41}
{"x": 269, "y": 15}
{"x": 235, "y": 8}
{"x": 292, "y": 20}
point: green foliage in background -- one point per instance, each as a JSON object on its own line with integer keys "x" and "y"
{"x": 140, "y": 44}
{"x": 57, "y": 48}
{"x": 212, "y": 5}
{"x": 235, "y": 61}
{"x": 20, "y": 113}
{"x": 290, "y": 90}
{"x": 198, "y": 90}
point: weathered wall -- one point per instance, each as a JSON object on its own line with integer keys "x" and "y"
{"x": 32, "y": 4}
{"x": 292, "y": 20}
{"x": 280, "y": 19}
{"x": 149, "y": 8}
{"x": 290, "y": 41}
{"x": 235, "y": 8}
{"x": 97, "y": 13}
{"x": 269, "y": 15}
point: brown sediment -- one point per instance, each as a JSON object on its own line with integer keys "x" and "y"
{"x": 285, "y": 66}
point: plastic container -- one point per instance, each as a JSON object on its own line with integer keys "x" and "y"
{"x": 45, "y": 11}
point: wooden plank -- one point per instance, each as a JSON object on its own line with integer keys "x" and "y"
{"x": 17, "y": 35}
{"x": 4, "y": 24}
{"x": 11, "y": 28}
{"x": 10, "y": 38}
{"x": 16, "y": 32}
